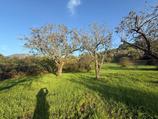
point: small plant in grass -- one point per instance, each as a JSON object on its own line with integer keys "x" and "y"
{"x": 86, "y": 107}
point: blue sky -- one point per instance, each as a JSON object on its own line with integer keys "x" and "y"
{"x": 18, "y": 16}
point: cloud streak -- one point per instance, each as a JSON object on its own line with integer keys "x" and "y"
{"x": 72, "y": 5}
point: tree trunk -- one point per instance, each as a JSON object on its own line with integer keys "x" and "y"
{"x": 97, "y": 69}
{"x": 59, "y": 68}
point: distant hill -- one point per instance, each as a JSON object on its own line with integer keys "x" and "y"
{"x": 19, "y": 56}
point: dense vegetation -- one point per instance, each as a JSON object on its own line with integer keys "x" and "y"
{"x": 122, "y": 93}
{"x": 31, "y": 65}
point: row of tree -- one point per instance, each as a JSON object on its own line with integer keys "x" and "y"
{"x": 58, "y": 42}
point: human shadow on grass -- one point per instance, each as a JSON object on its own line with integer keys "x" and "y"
{"x": 128, "y": 96}
{"x": 42, "y": 106}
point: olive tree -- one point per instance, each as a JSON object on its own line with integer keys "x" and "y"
{"x": 56, "y": 42}
{"x": 140, "y": 30}
{"x": 96, "y": 42}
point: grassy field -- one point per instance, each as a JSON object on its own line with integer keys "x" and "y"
{"x": 122, "y": 93}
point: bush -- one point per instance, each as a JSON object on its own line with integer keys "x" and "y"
{"x": 7, "y": 71}
{"x": 71, "y": 65}
{"x": 47, "y": 64}
{"x": 83, "y": 64}
{"x": 125, "y": 62}
{"x": 31, "y": 69}
{"x": 2, "y": 59}
{"x": 26, "y": 66}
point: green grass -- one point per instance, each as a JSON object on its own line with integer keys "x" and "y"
{"x": 122, "y": 93}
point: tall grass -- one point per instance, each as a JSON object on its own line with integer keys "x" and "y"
{"x": 122, "y": 93}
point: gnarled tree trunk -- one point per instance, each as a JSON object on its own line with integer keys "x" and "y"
{"x": 59, "y": 67}
{"x": 97, "y": 69}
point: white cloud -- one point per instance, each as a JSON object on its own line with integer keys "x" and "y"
{"x": 72, "y": 5}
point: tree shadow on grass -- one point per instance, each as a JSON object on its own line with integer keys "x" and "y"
{"x": 132, "y": 68}
{"x": 154, "y": 82}
{"x": 42, "y": 106}
{"x": 25, "y": 81}
{"x": 8, "y": 84}
{"x": 128, "y": 96}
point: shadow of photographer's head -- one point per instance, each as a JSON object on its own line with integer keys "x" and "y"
{"x": 42, "y": 92}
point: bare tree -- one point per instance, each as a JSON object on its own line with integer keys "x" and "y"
{"x": 141, "y": 31}
{"x": 96, "y": 42}
{"x": 54, "y": 41}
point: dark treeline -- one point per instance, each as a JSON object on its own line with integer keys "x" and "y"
{"x": 11, "y": 67}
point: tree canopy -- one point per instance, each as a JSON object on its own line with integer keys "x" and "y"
{"x": 140, "y": 30}
{"x": 54, "y": 41}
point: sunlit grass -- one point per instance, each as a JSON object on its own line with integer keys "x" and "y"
{"x": 121, "y": 93}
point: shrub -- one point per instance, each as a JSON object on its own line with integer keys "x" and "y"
{"x": 71, "y": 66}
{"x": 26, "y": 66}
{"x": 83, "y": 64}
{"x": 2, "y": 59}
{"x": 47, "y": 64}
{"x": 32, "y": 69}
{"x": 125, "y": 62}
{"x": 7, "y": 71}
